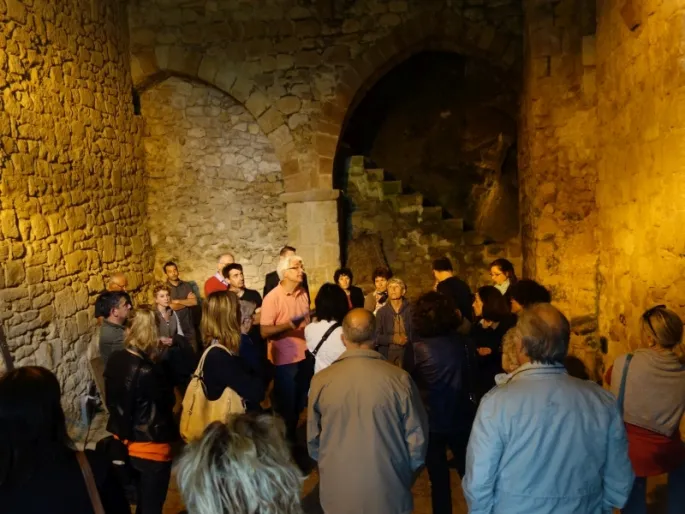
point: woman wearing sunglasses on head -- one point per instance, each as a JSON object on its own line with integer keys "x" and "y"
{"x": 650, "y": 386}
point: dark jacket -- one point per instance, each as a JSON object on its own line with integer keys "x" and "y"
{"x": 57, "y": 487}
{"x": 490, "y": 365}
{"x": 140, "y": 399}
{"x": 385, "y": 319}
{"x": 271, "y": 281}
{"x": 240, "y": 373}
{"x": 356, "y": 297}
{"x": 439, "y": 369}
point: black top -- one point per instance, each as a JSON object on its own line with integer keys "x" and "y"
{"x": 460, "y": 293}
{"x": 490, "y": 365}
{"x": 250, "y": 295}
{"x": 439, "y": 369}
{"x": 140, "y": 399}
{"x": 356, "y": 297}
{"x": 57, "y": 487}
{"x": 240, "y": 373}
{"x": 271, "y": 281}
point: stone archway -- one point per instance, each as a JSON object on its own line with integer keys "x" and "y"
{"x": 425, "y": 32}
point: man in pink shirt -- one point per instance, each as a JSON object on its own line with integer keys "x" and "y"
{"x": 285, "y": 313}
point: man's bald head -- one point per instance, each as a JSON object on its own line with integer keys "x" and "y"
{"x": 359, "y": 328}
{"x": 545, "y": 333}
{"x": 224, "y": 260}
{"x": 117, "y": 282}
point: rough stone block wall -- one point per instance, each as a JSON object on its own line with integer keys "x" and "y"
{"x": 72, "y": 194}
{"x": 557, "y": 163}
{"x": 641, "y": 192}
{"x": 299, "y": 67}
{"x": 213, "y": 182}
{"x": 410, "y": 236}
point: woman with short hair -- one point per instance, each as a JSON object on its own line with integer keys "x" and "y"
{"x": 494, "y": 319}
{"x": 344, "y": 277}
{"x": 242, "y": 467}
{"x": 653, "y": 403}
{"x": 39, "y": 466}
{"x": 331, "y": 307}
{"x": 502, "y": 274}
{"x": 140, "y": 400}
{"x": 379, "y": 297}
{"x": 232, "y": 360}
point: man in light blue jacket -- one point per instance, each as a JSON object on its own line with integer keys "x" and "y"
{"x": 544, "y": 442}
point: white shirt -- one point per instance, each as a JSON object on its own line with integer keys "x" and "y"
{"x": 330, "y": 350}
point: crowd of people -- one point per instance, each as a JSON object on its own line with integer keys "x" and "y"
{"x": 389, "y": 385}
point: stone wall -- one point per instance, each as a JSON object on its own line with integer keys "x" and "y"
{"x": 72, "y": 191}
{"x": 213, "y": 183}
{"x": 396, "y": 230}
{"x": 640, "y": 192}
{"x": 298, "y": 66}
{"x": 557, "y": 163}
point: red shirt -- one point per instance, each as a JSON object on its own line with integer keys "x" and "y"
{"x": 213, "y": 285}
{"x": 650, "y": 453}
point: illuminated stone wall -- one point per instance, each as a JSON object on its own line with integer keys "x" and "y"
{"x": 300, "y": 67}
{"x": 557, "y": 163}
{"x": 213, "y": 181}
{"x": 72, "y": 193}
{"x": 641, "y": 188}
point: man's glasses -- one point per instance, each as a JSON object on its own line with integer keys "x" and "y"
{"x": 647, "y": 316}
{"x": 297, "y": 267}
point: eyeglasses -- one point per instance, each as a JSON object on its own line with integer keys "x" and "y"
{"x": 647, "y": 316}
{"x": 297, "y": 267}
{"x": 496, "y": 274}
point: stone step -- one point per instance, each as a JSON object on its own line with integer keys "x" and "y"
{"x": 431, "y": 214}
{"x": 456, "y": 224}
{"x": 392, "y": 187}
{"x": 409, "y": 202}
{"x": 375, "y": 175}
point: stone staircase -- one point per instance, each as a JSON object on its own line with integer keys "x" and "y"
{"x": 370, "y": 192}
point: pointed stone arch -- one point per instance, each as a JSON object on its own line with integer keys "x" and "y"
{"x": 425, "y": 32}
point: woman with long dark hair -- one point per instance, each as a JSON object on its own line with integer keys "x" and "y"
{"x": 494, "y": 319}
{"x": 325, "y": 333}
{"x": 502, "y": 274}
{"x": 39, "y": 466}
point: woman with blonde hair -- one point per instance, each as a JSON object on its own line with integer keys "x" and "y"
{"x": 650, "y": 387}
{"x": 167, "y": 320}
{"x": 232, "y": 361}
{"x": 242, "y": 467}
{"x": 140, "y": 399}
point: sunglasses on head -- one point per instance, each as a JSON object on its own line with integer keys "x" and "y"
{"x": 647, "y": 316}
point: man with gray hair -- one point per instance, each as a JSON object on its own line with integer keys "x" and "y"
{"x": 366, "y": 427}
{"x": 544, "y": 441}
{"x": 285, "y": 313}
{"x": 393, "y": 323}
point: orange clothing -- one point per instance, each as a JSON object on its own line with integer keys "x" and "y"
{"x": 281, "y": 307}
{"x": 159, "y": 452}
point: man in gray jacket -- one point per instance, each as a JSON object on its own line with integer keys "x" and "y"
{"x": 366, "y": 427}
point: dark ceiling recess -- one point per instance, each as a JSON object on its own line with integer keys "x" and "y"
{"x": 445, "y": 125}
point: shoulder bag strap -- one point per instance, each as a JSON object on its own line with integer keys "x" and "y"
{"x": 325, "y": 336}
{"x": 622, "y": 389}
{"x": 90, "y": 483}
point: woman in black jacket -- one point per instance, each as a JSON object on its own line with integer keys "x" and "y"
{"x": 439, "y": 369}
{"x": 39, "y": 467}
{"x": 140, "y": 399}
{"x": 355, "y": 297}
{"x": 494, "y": 319}
{"x": 232, "y": 359}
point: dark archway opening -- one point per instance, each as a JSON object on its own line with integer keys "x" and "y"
{"x": 444, "y": 125}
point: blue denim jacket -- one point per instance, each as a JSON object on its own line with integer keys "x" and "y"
{"x": 546, "y": 443}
